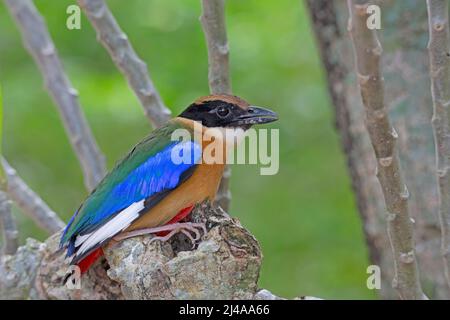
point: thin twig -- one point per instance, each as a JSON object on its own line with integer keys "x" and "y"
{"x": 122, "y": 53}
{"x": 214, "y": 28}
{"x": 383, "y": 136}
{"x": 40, "y": 45}
{"x": 30, "y": 203}
{"x": 439, "y": 52}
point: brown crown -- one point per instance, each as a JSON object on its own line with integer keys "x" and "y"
{"x": 224, "y": 97}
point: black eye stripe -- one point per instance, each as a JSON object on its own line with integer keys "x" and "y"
{"x": 215, "y": 113}
{"x": 223, "y": 111}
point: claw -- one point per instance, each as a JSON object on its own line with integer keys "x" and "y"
{"x": 164, "y": 238}
{"x": 194, "y": 231}
{"x": 187, "y": 234}
{"x": 174, "y": 228}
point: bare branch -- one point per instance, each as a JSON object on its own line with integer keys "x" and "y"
{"x": 439, "y": 53}
{"x": 126, "y": 59}
{"x": 213, "y": 23}
{"x": 40, "y": 45}
{"x": 31, "y": 204}
{"x": 7, "y": 223}
{"x": 368, "y": 50}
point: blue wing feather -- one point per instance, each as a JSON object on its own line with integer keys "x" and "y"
{"x": 158, "y": 173}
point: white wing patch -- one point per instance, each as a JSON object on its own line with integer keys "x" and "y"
{"x": 120, "y": 222}
{"x": 80, "y": 239}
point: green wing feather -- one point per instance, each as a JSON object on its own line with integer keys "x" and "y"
{"x": 149, "y": 146}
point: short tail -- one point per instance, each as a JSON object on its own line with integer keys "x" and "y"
{"x": 90, "y": 259}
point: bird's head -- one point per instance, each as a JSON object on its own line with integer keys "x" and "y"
{"x": 227, "y": 111}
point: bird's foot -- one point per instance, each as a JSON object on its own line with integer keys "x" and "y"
{"x": 184, "y": 227}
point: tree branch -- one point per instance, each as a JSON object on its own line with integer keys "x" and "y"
{"x": 40, "y": 45}
{"x": 328, "y": 34}
{"x": 367, "y": 51}
{"x": 214, "y": 28}
{"x": 30, "y": 203}
{"x": 228, "y": 256}
{"x": 127, "y": 61}
{"x": 439, "y": 53}
{"x": 7, "y": 223}
{"x": 213, "y": 23}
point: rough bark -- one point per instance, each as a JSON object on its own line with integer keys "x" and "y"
{"x": 224, "y": 265}
{"x": 37, "y": 40}
{"x": 127, "y": 61}
{"x": 214, "y": 28}
{"x": 439, "y": 52}
{"x": 404, "y": 37}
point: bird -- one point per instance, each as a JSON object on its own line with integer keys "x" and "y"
{"x": 147, "y": 191}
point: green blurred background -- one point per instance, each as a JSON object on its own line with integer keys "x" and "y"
{"x": 304, "y": 217}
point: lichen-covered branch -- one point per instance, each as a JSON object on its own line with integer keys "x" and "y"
{"x": 40, "y": 45}
{"x": 383, "y": 136}
{"x": 224, "y": 265}
{"x": 122, "y": 53}
{"x": 439, "y": 53}
{"x": 214, "y": 28}
{"x": 30, "y": 203}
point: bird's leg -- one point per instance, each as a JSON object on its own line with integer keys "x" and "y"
{"x": 174, "y": 228}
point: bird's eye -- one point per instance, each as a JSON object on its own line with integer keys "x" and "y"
{"x": 222, "y": 112}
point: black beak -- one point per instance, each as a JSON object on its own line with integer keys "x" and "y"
{"x": 255, "y": 115}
